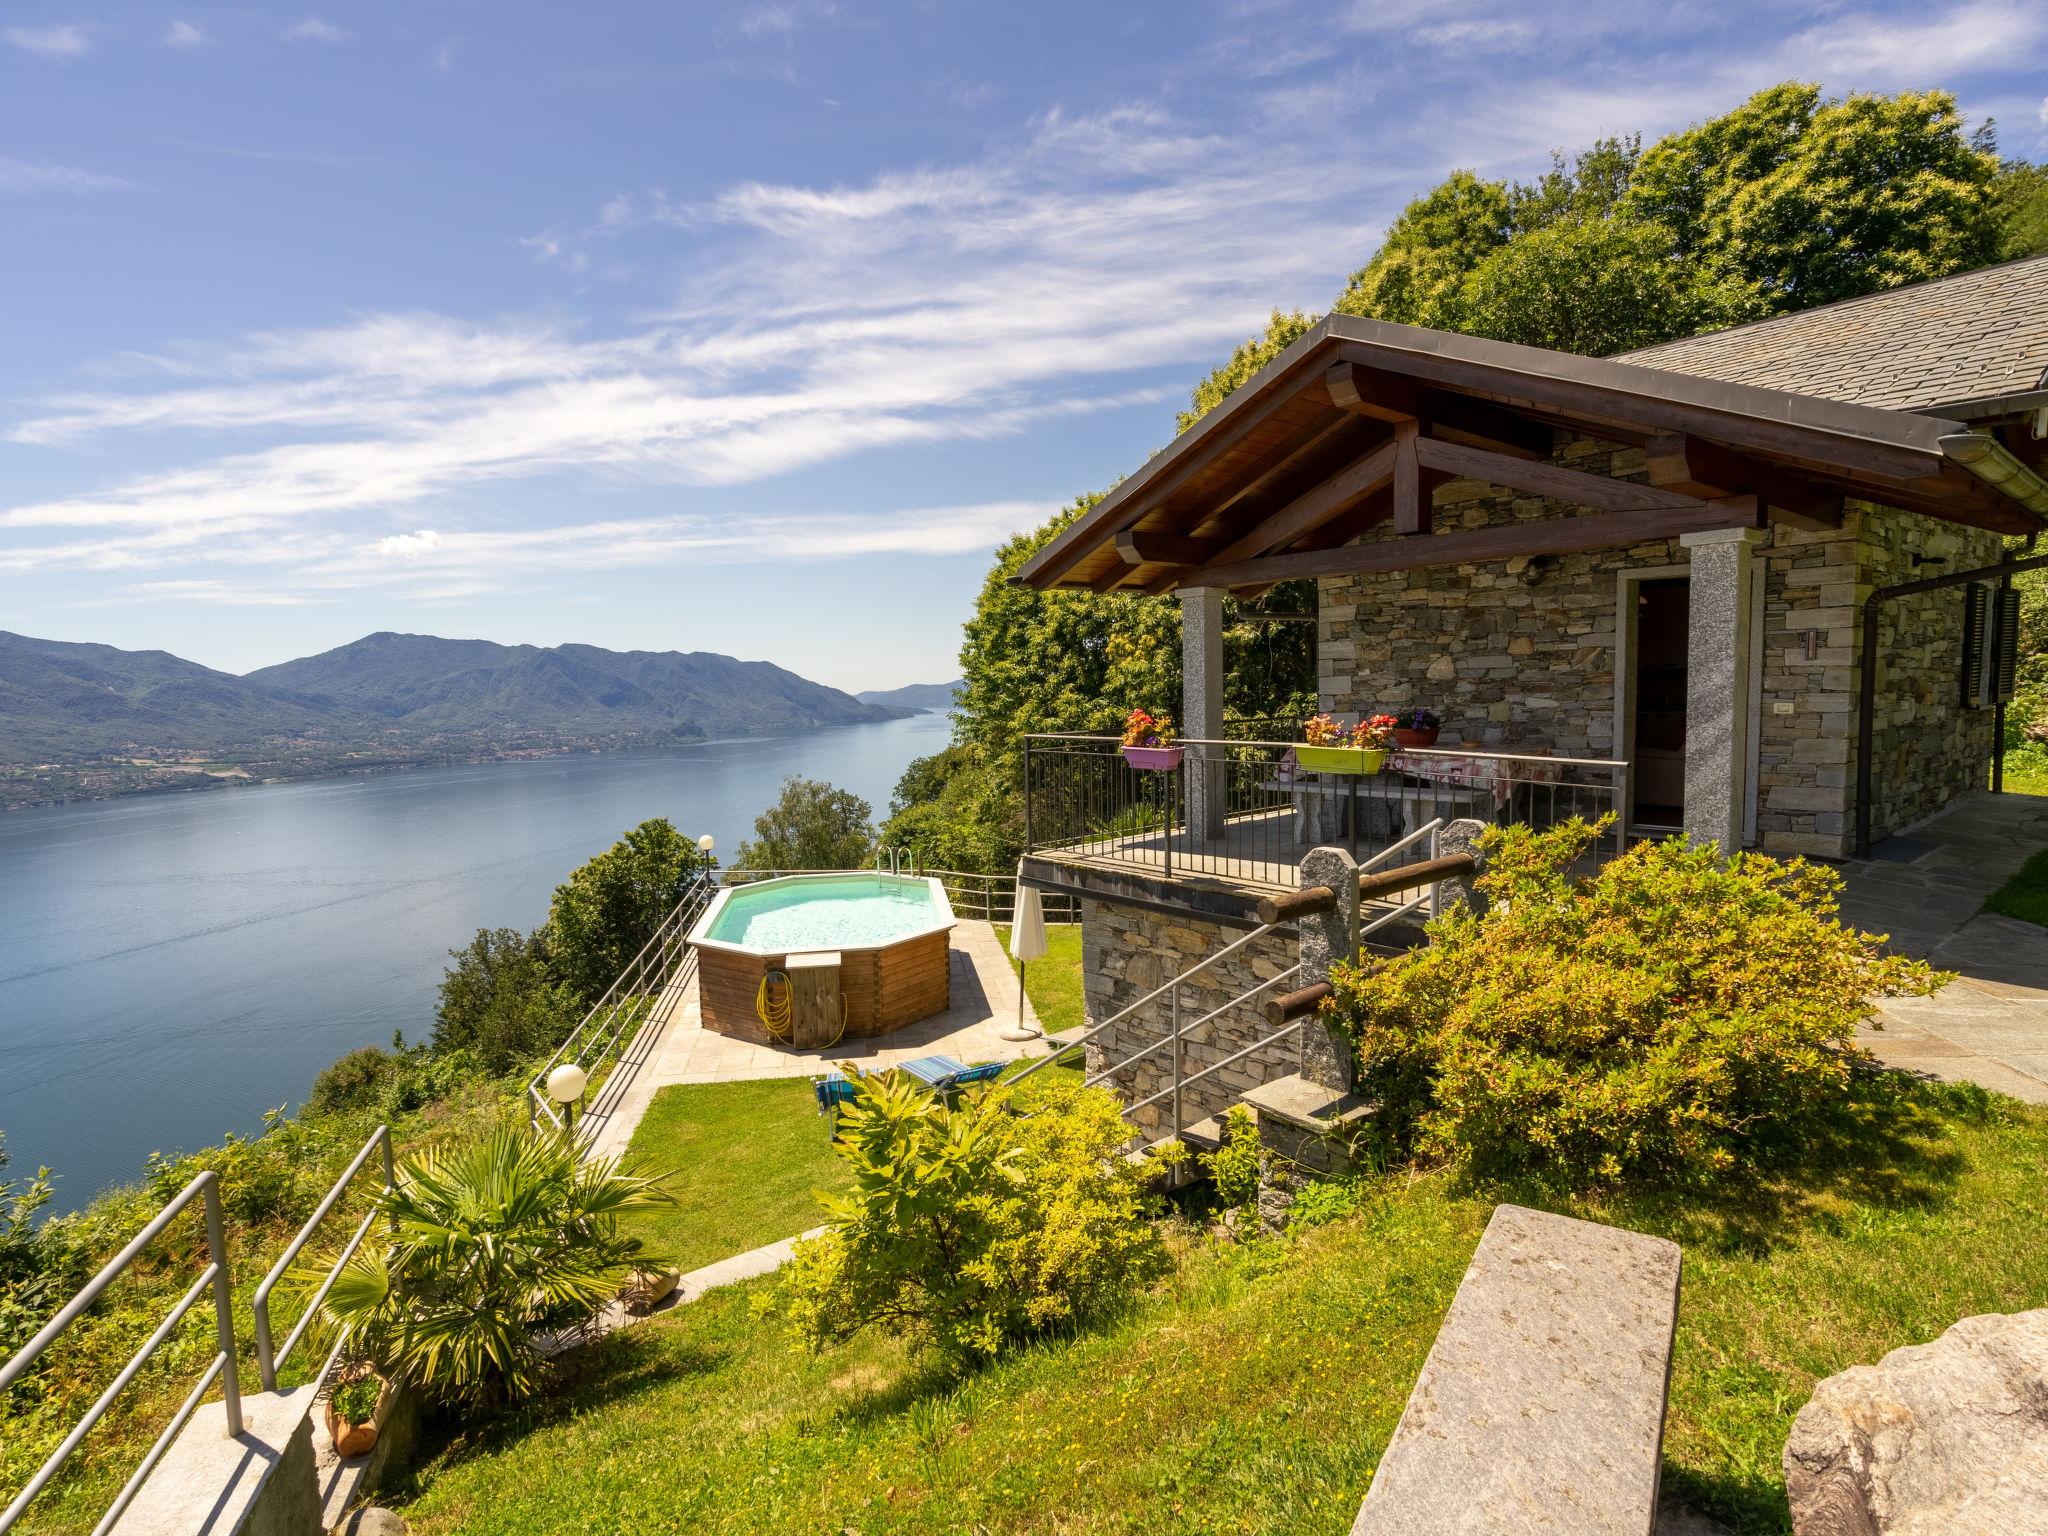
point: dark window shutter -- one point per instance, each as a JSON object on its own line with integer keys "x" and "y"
{"x": 1976, "y": 623}
{"x": 2005, "y": 647}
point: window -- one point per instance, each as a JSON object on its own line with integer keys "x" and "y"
{"x": 1991, "y": 644}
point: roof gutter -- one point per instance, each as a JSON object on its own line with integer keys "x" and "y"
{"x": 1993, "y": 463}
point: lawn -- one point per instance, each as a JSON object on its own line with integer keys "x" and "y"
{"x": 2025, "y": 895}
{"x": 1054, "y": 983}
{"x": 2026, "y": 770}
{"x": 743, "y": 1160}
{"x": 1255, "y": 1390}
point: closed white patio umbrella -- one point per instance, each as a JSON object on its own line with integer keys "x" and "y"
{"x": 1027, "y": 943}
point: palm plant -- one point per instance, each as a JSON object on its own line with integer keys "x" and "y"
{"x": 492, "y": 1241}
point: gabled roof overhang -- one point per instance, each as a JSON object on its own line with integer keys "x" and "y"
{"x": 1346, "y": 431}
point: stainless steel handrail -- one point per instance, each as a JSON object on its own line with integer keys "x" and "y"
{"x": 206, "y": 1189}
{"x": 267, "y": 1362}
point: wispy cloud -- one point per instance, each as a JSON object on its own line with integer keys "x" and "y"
{"x": 182, "y": 34}
{"x": 25, "y": 176}
{"x": 65, "y": 42}
{"x": 314, "y": 30}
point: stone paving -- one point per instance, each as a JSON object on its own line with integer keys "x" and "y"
{"x": 985, "y": 1001}
{"x": 1990, "y": 1025}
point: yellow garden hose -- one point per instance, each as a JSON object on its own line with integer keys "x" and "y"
{"x": 775, "y": 1017}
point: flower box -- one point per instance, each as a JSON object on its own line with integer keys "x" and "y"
{"x": 1361, "y": 760}
{"x": 1155, "y": 759}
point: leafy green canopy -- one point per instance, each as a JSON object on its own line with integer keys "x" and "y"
{"x": 609, "y": 907}
{"x": 812, "y": 825}
{"x": 499, "y": 1001}
{"x": 971, "y": 1227}
{"x": 1656, "y": 1019}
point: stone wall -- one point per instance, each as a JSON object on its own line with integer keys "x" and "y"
{"x": 1127, "y": 952}
{"x": 1520, "y": 655}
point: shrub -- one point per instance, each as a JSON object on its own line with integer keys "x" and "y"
{"x": 494, "y": 1238}
{"x": 1651, "y": 1019}
{"x": 611, "y": 905}
{"x": 356, "y": 1081}
{"x": 972, "y": 1227}
{"x": 499, "y": 1002}
{"x": 1235, "y": 1165}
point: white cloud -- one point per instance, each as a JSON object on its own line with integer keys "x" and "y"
{"x": 23, "y": 176}
{"x": 408, "y": 546}
{"x": 314, "y": 30}
{"x": 2043, "y": 113}
{"x": 65, "y": 42}
{"x": 182, "y": 34}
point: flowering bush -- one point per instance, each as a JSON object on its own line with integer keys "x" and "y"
{"x": 1654, "y": 1019}
{"x": 1145, "y": 730}
{"x": 1418, "y": 720}
{"x": 1376, "y": 733}
{"x": 970, "y": 1226}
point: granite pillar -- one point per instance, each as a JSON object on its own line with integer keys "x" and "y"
{"x": 1327, "y": 938}
{"x": 1718, "y": 682}
{"x": 1201, "y": 707}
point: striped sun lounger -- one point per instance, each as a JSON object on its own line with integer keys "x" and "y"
{"x": 941, "y": 1074}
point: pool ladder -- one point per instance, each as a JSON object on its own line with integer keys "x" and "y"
{"x": 902, "y": 861}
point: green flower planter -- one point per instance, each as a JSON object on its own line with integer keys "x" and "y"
{"x": 1340, "y": 759}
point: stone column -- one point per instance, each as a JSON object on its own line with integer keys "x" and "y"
{"x": 1460, "y": 836}
{"x": 1326, "y": 938}
{"x": 1717, "y": 687}
{"x": 1201, "y": 705}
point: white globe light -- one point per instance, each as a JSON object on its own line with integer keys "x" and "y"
{"x": 705, "y": 842}
{"x": 567, "y": 1082}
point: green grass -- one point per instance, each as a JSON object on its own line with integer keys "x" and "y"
{"x": 2025, "y": 895}
{"x": 2026, "y": 770}
{"x": 1255, "y": 1390}
{"x": 744, "y": 1160}
{"x": 1054, "y": 983}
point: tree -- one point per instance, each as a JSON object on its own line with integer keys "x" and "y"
{"x": 1415, "y": 275}
{"x": 500, "y": 1002}
{"x": 1252, "y": 355}
{"x": 608, "y": 908}
{"x": 492, "y": 1240}
{"x": 1596, "y": 286}
{"x": 1808, "y": 201}
{"x": 812, "y": 825}
{"x": 2020, "y": 197}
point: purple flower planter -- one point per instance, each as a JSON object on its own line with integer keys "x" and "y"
{"x": 1155, "y": 759}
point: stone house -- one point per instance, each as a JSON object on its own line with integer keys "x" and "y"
{"x": 1667, "y": 582}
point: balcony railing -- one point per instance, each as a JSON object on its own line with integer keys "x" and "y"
{"x": 1246, "y": 811}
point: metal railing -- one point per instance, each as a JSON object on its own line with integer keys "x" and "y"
{"x": 267, "y": 1360}
{"x": 215, "y": 1277}
{"x": 616, "y": 1019}
{"x": 1247, "y": 811}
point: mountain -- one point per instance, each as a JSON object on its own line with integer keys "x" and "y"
{"x": 85, "y": 721}
{"x": 60, "y": 701}
{"x": 916, "y": 695}
{"x": 425, "y": 682}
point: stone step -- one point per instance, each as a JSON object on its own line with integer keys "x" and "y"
{"x": 1062, "y": 1040}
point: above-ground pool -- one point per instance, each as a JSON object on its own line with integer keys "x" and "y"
{"x": 804, "y": 959}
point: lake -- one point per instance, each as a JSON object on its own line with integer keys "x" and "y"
{"x": 171, "y": 966}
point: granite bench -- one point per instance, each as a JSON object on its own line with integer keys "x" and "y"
{"x": 1541, "y": 1405}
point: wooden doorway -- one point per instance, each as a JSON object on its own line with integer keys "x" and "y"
{"x": 1656, "y": 687}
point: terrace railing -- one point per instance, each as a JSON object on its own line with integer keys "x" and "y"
{"x": 214, "y": 1278}
{"x": 1246, "y": 810}
{"x": 665, "y": 961}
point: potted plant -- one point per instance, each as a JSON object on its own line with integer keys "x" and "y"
{"x": 1417, "y": 728}
{"x": 352, "y": 1403}
{"x": 1149, "y": 743}
{"x": 1334, "y": 748}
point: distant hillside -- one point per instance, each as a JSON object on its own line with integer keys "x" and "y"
{"x": 916, "y": 695}
{"x": 423, "y": 681}
{"x": 86, "y": 721}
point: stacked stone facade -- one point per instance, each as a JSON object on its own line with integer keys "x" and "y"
{"x": 1129, "y": 951}
{"x": 1521, "y": 655}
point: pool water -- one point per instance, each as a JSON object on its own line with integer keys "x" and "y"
{"x": 858, "y": 912}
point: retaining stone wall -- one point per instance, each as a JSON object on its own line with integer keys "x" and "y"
{"x": 1125, "y": 953}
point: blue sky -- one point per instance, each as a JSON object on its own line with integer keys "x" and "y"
{"x": 745, "y": 327}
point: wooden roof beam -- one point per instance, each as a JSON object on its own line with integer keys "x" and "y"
{"x": 1681, "y": 462}
{"x": 1550, "y": 480}
{"x": 1548, "y": 536}
{"x": 1358, "y": 479}
{"x": 1393, "y": 398}
{"x": 1141, "y": 548}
